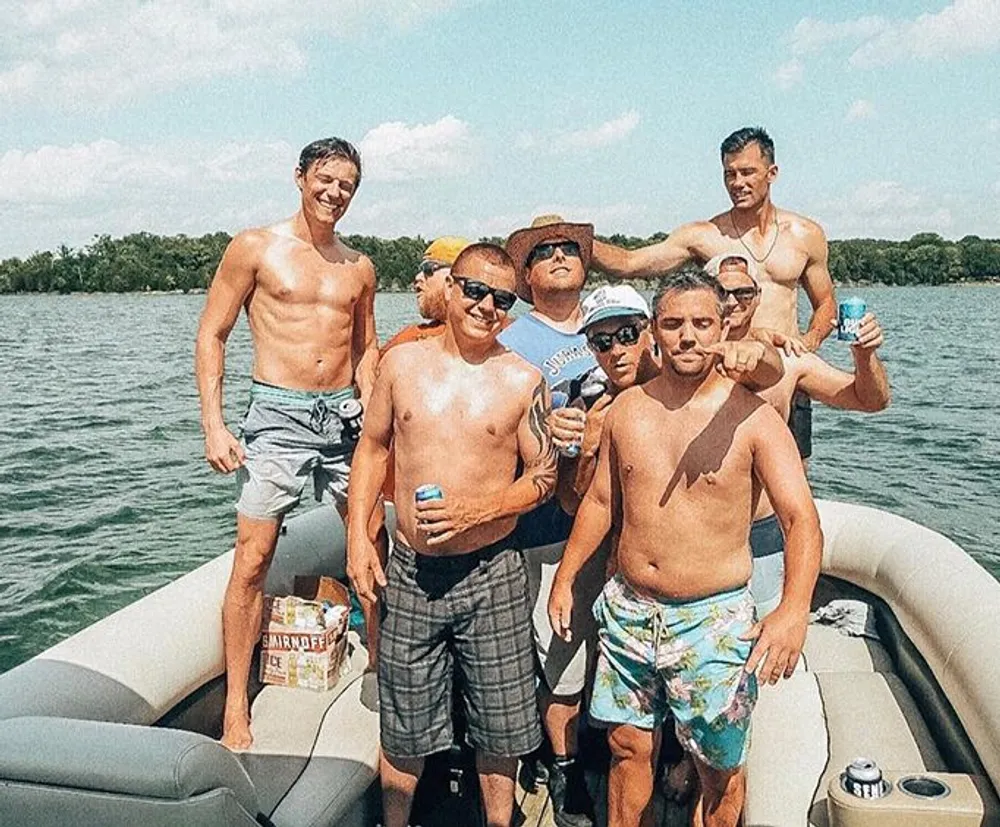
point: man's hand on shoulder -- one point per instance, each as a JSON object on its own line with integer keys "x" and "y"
{"x": 778, "y": 641}
{"x": 790, "y": 345}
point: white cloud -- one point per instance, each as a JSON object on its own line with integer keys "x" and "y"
{"x": 962, "y": 27}
{"x": 68, "y": 194}
{"x": 860, "y": 110}
{"x": 810, "y": 36}
{"x": 81, "y": 53}
{"x": 563, "y": 142}
{"x": 993, "y": 125}
{"x": 885, "y": 209}
{"x": 789, "y": 74}
{"x": 396, "y": 152}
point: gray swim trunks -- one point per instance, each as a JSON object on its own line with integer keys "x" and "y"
{"x": 292, "y": 436}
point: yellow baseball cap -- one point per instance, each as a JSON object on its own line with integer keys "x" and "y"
{"x": 446, "y": 249}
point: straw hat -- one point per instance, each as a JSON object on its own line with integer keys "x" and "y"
{"x": 546, "y": 228}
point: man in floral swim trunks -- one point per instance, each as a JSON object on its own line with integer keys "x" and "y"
{"x": 683, "y": 458}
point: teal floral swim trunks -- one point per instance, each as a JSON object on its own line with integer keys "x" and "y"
{"x": 686, "y": 658}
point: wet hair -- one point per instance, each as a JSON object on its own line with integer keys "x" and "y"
{"x": 482, "y": 251}
{"x": 686, "y": 281}
{"x": 329, "y": 148}
{"x": 742, "y": 138}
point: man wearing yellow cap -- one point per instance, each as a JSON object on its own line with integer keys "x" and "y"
{"x": 429, "y": 286}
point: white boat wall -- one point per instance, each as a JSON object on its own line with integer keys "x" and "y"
{"x": 115, "y": 725}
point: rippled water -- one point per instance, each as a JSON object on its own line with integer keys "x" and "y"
{"x": 105, "y": 495}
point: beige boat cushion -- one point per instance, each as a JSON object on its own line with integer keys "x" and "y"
{"x": 808, "y": 728}
{"x": 829, "y": 650}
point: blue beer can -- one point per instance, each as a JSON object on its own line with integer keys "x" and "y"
{"x": 429, "y": 491}
{"x": 852, "y": 310}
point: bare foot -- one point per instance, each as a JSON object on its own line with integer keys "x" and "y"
{"x": 680, "y": 779}
{"x": 236, "y": 733}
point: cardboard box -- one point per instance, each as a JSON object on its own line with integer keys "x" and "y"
{"x": 296, "y": 649}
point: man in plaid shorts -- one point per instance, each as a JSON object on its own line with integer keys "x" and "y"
{"x": 463, "y": 414}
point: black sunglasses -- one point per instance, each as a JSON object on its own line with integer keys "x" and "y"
{"x": 626, "y": 335}
{"x": 429, "y": 268}
{"x": 477, "y": 291}
{"x": 546, "y": 251}
{"x": 742, "y": 294}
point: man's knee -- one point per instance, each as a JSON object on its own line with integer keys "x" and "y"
{"x": 255, "y": 544}
{"x": 629, "y": 743}
{"x": 716, "y": 784}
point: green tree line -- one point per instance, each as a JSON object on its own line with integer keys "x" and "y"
{"x": 143, "y": 262}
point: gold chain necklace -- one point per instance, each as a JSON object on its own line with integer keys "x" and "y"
{"x": 746, "y": 246}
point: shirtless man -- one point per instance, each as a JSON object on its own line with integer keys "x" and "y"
{"x": 683, "y": 458}
{"x": 309, "y": 300}
{"x": 867, "y": 389}
{"x": 462, "y": 412}
{"x": 788, "y": 249}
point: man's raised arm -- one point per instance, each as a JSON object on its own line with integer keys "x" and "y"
{"x": 867, "y": 389}
{"x": 650, "y": 261}
{"x": 368, "y": 471}
{"x": 451, "y": 515}
{"x": 591, "y": 526}
{"x": 818, "y": 285}
{"x": 364, "y": 340}
{"x": 233, "y": 282}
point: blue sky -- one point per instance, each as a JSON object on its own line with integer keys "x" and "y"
{"x": 186, "y": 116}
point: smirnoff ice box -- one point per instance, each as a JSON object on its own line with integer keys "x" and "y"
{"x": 303, "y": 643}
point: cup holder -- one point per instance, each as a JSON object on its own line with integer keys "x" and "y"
{"x": 922, "y": 786}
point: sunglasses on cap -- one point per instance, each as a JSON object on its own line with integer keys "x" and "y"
{"x": 430, "y": 267}
{"x": 477, "y": 291}
{"x": 625, "y": 335}
{"x": 742, "y": 294}
{"x": 545, "y": 251}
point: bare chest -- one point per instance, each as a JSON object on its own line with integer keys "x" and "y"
{"x": 780, "y": 259}
{"x": 682, "y": 455}
{"x": 301, "y": 276}
{"x": 464, "y": 412}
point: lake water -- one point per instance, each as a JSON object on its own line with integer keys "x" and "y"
{"x": 105, "y": 494}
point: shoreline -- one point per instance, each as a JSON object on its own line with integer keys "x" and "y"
{"x": 639, "y": 284}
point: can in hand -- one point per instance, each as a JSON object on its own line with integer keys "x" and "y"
{"x": 351, "y": 418}
{"x": 560, "y": 399}
{"x": 849, "y": 317}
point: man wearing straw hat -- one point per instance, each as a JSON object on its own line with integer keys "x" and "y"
{"x": 551, "y": 257}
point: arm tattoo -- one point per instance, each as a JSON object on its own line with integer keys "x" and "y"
{"x": 543, "y": 467}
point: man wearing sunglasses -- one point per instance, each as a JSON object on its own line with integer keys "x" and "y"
{"x": 681, "y": 461}
{"x": 551, "y": 257}
{"x": 788, "y": 249}
{"x": 470, "y": 417}
{"x": 867, "y": 389}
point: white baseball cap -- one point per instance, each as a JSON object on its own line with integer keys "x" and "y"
{"x": 714, "y": 264}
{"x": 610, "y": 301}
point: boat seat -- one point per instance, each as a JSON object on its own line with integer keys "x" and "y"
{"x": 827, "y": 649}
{"x": 808, "y": 728}
{"x": 314, "y": 753}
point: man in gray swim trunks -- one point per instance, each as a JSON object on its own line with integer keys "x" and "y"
{"x": 309, "y": 301}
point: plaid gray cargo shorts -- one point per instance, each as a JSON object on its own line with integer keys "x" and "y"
{"x": 463, "y": 618}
